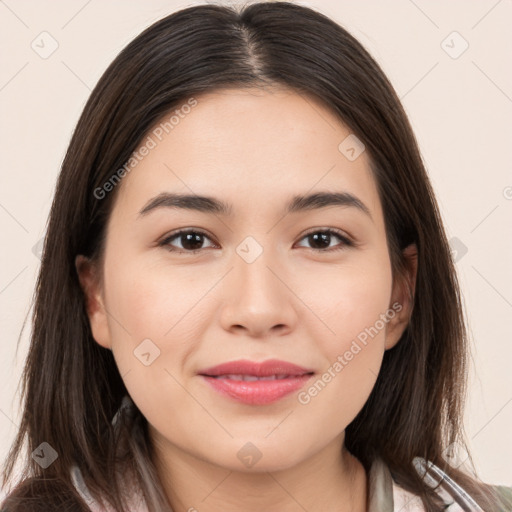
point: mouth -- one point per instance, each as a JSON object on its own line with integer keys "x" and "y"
{"x": 256, "y": 383}
{"x": 253, "y": 378}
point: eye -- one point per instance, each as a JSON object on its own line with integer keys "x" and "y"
{"x": 324, "y": 237}
{"x": 191, "y": 241}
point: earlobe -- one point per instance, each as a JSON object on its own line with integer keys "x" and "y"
{"x": 404, "y": 289}
{"x": 94, "y": 302}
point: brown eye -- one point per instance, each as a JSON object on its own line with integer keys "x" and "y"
{"x": 321, "y": 240}
{"x": 190, "y": 240}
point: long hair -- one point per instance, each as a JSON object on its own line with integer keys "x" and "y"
{"x": 71, "y": 387}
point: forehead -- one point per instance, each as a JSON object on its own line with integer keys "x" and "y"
{"x": 251, "y": 145}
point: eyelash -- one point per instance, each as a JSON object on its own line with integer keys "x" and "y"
{"x": 346, "y": 242}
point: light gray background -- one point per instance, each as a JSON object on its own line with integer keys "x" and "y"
{"x": 460, "y": 107}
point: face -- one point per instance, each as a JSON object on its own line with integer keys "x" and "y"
{"x": 304, "y": 282}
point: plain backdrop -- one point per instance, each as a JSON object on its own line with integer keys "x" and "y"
{"x": 449, "y": 63}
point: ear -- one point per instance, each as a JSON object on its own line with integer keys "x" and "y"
{"x": 88, "y": 276}
{"x": 402, "y": 296}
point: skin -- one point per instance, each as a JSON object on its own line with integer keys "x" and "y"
{"x": 254, "y": 149}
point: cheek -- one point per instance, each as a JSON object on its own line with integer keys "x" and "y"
{"x": 353, "y": 306}
{"x": 152, "y": 321}
{"x": 348, "y": 298}
{"x": 154, "y": 329}
{"x": 153, "y": 300}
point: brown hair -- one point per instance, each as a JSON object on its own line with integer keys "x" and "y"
{"x": 71, "y": 385}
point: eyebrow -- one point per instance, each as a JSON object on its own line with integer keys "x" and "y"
{"x": 212, "y": 205}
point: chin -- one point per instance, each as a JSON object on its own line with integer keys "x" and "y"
{"x": 260, "y": 456}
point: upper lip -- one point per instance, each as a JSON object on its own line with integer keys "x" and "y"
{"x": 258, "y": 369}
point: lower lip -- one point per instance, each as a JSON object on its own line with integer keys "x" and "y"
{"x": 257, "y": 392}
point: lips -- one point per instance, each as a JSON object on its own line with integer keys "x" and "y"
{"x": 256, "y": 383}
{"x": 267, "y": 368}
{"x": 250, "y": 378}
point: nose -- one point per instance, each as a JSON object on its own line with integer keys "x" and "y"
{"x": 259, "y": 298}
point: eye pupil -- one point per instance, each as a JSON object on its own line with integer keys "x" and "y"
{"x": 189, "y": 239}
{"x": 324, "y": 239}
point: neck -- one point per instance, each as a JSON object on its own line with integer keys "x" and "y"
{"x": 332, "y": 479}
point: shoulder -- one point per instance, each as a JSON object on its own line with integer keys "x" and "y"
{"x": 455, "y": 497}
{"x": 43, "y": 495}
{"x": 505, "y": 493}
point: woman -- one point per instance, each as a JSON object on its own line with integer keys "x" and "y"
{"x": 246, "y": 299}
